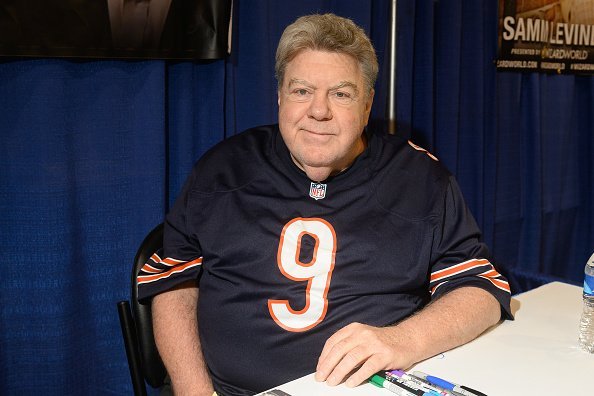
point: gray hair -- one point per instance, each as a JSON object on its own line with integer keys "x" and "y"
{"x": 330, "y": 33}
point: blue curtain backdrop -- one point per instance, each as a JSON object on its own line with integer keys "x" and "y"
{"x": 520, "y": 144}
{"x": 94, "y": 152}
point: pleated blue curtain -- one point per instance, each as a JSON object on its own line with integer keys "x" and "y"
{"x": 81, "y": 170}
{"x": 543, "y": 224}
{"x": 94, "y": 153}
{"x": 195, "y": 113}
{"x": 519, "y": 144}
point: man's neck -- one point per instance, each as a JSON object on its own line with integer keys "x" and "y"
{"x": 319, "y": 174}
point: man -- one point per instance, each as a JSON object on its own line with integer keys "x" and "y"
{"x": 315, "y": 244}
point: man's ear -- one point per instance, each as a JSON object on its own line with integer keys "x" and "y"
{"x": 369, "y": 103}
{"x": 370, "y": 99}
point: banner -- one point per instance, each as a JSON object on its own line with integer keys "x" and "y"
{"x": 131, "y": 29}
{"x": 546, "y": 36}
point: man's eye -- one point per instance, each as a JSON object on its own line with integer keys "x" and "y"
{"x": 300, "y": 94}
{"x": 343, "y": 97}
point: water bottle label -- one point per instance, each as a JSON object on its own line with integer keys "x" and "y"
{"x": 589, "y": 284}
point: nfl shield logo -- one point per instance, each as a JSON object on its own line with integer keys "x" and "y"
{"x": 317, "y": 191}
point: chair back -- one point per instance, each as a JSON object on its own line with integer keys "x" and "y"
{"x": 153, "y": 369}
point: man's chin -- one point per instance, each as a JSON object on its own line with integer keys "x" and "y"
{"x": 314, "y": 161}
{"x": 318, "y": 174}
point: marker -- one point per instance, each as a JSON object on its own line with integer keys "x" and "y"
{"x": 274, "y": 392}
{"x": 396, "y": 387}
{"x": 463, "y": 390}
{"x": 418, "y": 383}
{"x": 383, "y": 383}
{"x": 423, "y": 388}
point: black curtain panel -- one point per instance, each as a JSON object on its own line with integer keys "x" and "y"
{"x": 149, "y": 29}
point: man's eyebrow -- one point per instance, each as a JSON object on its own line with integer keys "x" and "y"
{"x": 340, "y": 85}
{"x": 300, "y": 82}
{"x": 344, "y": 84}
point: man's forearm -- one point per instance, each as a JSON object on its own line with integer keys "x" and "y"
{"x": 357, "y": 351}
{"x": 175, "y": 325}
{"x": 455, "y": 319}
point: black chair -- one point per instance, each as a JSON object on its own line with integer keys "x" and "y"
{"x": 137, "y": 328}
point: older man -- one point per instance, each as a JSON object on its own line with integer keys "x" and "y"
{"x": 315, "y": 244}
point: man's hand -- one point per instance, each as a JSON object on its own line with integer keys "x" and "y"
{"x": 356, "y": 352}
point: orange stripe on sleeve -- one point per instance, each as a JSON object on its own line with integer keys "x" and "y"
{"x": 174, "y": 270}
{"x": 150, "y": 269}
{"x": 498, "y": 283}
{"x": 171, "y": 261}
{"x": 458, "y": 268}
{"x": 439, "y": 278}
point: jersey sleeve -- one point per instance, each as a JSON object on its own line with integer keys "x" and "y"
{"x": 180, "y": 259}
{"x": 461, "y": 259}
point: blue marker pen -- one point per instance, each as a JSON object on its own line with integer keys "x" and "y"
{"x": 465, "y": 391}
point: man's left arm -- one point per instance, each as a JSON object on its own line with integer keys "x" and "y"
{"x": 468, "y": 296}
{"x": 357, "y": 351}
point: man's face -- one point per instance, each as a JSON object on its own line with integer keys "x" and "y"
{"x": 323, "y": 107}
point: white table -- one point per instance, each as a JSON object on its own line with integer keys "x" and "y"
{"x": 536, "y": 354}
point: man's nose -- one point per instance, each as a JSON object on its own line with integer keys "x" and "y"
{"x": 319, "y": 107}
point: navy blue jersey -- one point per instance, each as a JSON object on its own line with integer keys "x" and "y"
{"x": 282, "y": 262}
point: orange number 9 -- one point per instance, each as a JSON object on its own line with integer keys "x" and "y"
{"x": 317, "y": 272}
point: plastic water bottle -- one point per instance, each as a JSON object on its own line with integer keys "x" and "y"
{"x": 586, "y": 340}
